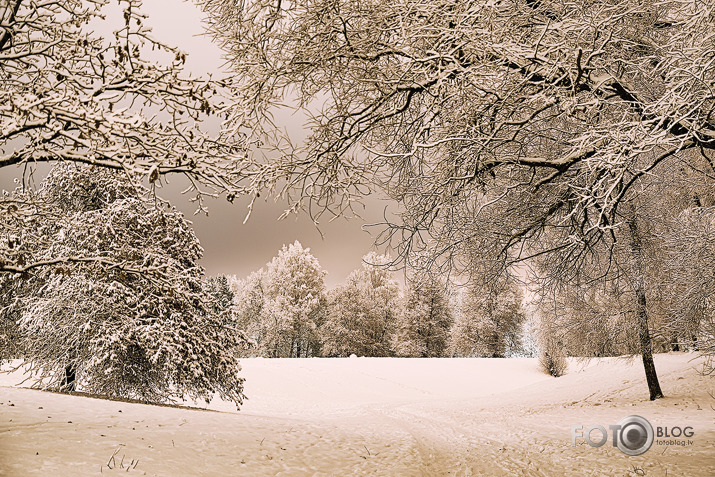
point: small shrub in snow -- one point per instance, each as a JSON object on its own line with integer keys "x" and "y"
{"x": 553, "y": 361}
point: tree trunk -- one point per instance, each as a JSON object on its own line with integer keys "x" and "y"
{"x": 68, "y": 382}
{"x": 641, "y": 311}
{"x": 646, "y": 347}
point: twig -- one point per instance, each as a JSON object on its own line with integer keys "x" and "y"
{"x": 111, "y": 459}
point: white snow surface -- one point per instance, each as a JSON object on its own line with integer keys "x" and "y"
{"x": 372, "y": 416}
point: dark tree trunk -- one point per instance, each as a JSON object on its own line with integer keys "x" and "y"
{"x": 642, "y": 312}
{"x": 647, "y": 347}
{"x": 68, "y": 382}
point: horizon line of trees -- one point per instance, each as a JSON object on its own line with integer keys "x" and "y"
{"x": 288, "y": 312}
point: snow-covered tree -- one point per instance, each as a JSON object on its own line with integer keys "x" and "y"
{"x": 249, "y": 299}
{"x": 283, "y": 305}
{"x": 689, "y": 279}
{"x": 220, "y": 295}
{"x": 423, "y": 328}
{"x": 362, "y": 313}
{"x": 116, "y": 331}
{"x": 547, "y": 111}
{"x": 490, "y": 321}
{"x": 658, "y": 278}
{"x": 588, "y": 321}
{"x": 10, "y": 336}
{"x": 118, "y": 100}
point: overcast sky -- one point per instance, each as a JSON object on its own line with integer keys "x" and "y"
{"x": 230, "y": 247}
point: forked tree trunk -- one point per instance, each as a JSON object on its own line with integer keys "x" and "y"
{"x": 642, "y": 312}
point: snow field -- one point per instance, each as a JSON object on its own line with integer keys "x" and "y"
{"x": 371, "y": 416}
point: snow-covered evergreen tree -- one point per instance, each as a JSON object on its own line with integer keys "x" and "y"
{"x": 146, "y": 329}
{"x": 423, "y": 328}
{"x": 221, "y": 296}
{"x": 363, "y": 312}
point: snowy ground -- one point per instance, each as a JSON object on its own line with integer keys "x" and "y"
{"x": 370, "y": 416}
